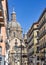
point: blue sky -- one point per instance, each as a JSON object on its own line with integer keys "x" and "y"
{"x": 27, "y": 11}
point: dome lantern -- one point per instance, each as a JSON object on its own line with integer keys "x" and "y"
{"x": 13, "y": 15}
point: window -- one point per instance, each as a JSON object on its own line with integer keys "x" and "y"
{"x": 37, "y": 33}
{"x": 0, "y": 50}
{"x": 37, "y": 25}
{"x": 0, "y": 29}
{"x": 14, "y": 34}
{"x": 4, "y": 62}
{"x": 37, "y": 57}
{"x": 37, "y": 50}
{"x": 0, "y": 62}
{"x": 44, "y": 28}
{"x": 25, "y": 63}
{"x": 44, "y": 18}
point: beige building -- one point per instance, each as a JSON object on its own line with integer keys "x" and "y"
{"x": 42, "y": 37}
{"x": 32, "y": 41}
{"x": 36, "y": 41}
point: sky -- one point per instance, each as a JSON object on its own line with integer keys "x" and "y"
{"x": 27, "y": 11}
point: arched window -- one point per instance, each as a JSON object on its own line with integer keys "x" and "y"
{"x": 0, "y": 50}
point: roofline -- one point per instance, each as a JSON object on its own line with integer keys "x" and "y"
{"x": 38, "y": 20}
{"x": 42, "y": 14}
{"x": 32, "y": 26}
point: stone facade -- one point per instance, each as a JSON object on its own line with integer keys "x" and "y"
{"x": 14, "y": 27}
{"x": 17, "y": 46}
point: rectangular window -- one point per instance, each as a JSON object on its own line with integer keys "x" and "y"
{"x": 14, "y": 34}
{"x": 38, "y": 33}
{"x": 0, "y": 29}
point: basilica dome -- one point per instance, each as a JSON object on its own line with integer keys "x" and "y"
{"x": 15, "y": 29}
{"x": 13, "y": 23}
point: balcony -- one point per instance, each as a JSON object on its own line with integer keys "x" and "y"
{"x": 41, "y": 24}
{"x": 1, "y": 14}
{"x": 30, "y": 45}
{"x": 31, "y": 49}
{"x": 31, "y": 53}
{"x": 42, "y": 46}
{"x": 42, "y": 34}
{"x": 30, "y": 38}
{"x": 24, "y": 55}
{"x": 1, "y": 19}
{"x": 42, "y": 55}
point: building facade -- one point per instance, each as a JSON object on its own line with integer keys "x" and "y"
{"x": 32, "y": 41}
{"x": 42, "y": 37}
{"x": 12, "y": 46}
{"x": 24, "y": 51}
{"x": 36, "y": 41}
{"x": 3, "y": 35}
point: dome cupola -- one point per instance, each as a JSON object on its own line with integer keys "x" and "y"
{"x": 13, "y": 15}
{"x": 14, "y": 26}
